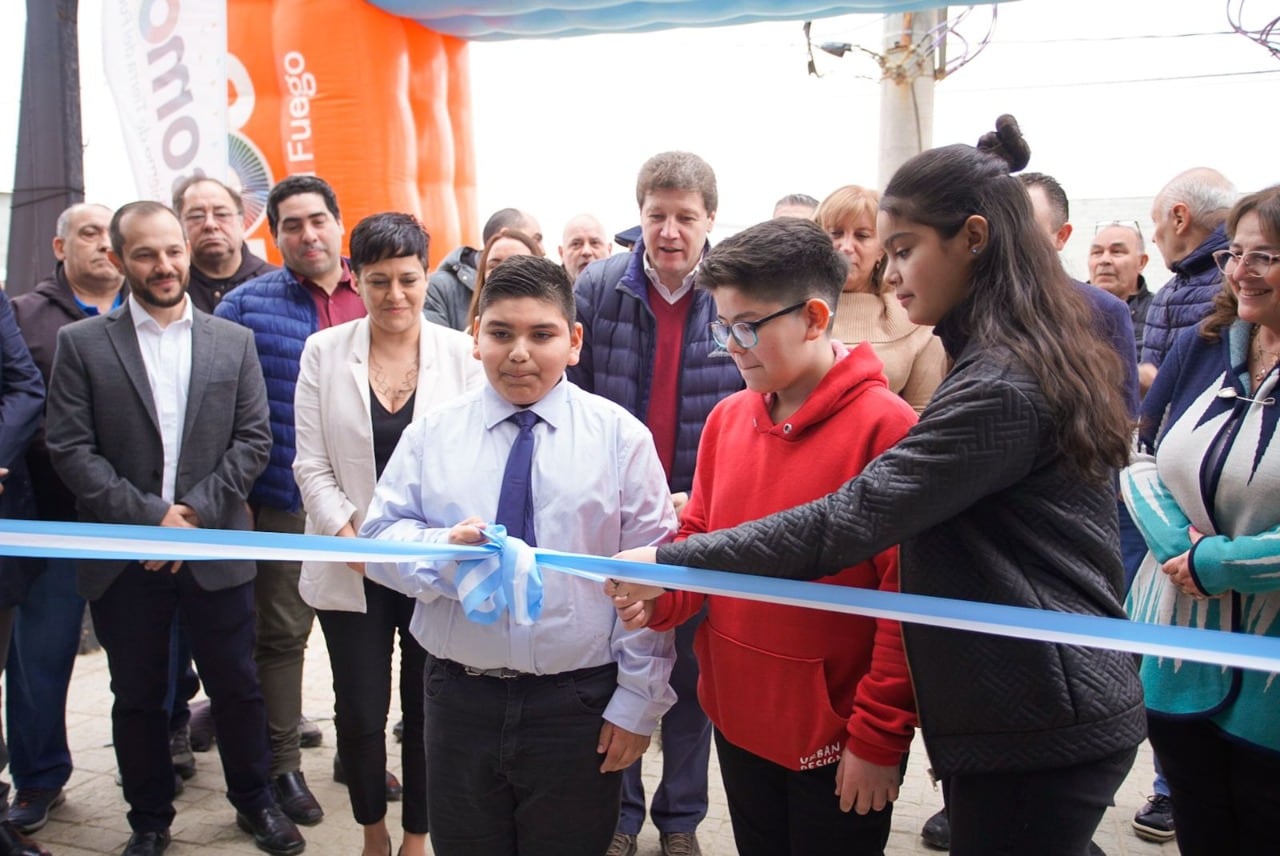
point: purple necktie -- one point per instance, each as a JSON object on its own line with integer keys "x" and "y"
{"x": 515, "y": 502}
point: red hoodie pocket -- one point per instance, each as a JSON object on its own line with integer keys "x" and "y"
{"x": 772, "y": 705}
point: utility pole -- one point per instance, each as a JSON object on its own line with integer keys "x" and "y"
{"x": 906, "y": 88}
{"x": 49, "y": 170}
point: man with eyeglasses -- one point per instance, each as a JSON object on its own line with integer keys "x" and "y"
{"x": 1190, "y": 214}
{"x": 1117, "y": 257}
{"x": 212, "y": 217}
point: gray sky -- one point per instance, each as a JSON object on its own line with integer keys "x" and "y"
{"x": 1111, "y": 97}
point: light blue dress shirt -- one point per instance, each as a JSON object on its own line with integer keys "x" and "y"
{"x": 598, "y": 488}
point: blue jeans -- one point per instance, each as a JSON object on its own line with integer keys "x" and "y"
{"x": 46, "y": 639}
{"x": 680, "y": 802}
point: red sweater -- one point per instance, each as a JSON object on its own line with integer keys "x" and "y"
{"x": 794, "y": 685}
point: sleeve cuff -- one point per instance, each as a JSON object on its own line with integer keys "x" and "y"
{"x": 1204, "y": 577}
{"x": 635, "y": 713}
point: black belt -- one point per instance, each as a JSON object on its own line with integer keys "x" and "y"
{"x": 505, "y": 674}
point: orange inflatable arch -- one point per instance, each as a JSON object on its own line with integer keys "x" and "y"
{"x": 388, "y": 125}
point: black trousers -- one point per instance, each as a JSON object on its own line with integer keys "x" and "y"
{"x": 513, "y": 763}
{"x": 360, "y": 647}
{"x": 133, "y": 620}
{"x": 776, "y": 811}
{"x": 1226, "y": 794}
{"x": 1047, "y": 812}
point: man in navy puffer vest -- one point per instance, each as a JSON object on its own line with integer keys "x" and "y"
{"x": 647, "y": 346}
{"x": 315, "y": 290}
{"x": 1189, "y": 214}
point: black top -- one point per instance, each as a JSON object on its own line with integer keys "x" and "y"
{"x": 387, "y": 428}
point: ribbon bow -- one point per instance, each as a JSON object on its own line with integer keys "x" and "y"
{"x": 506, "y": 579}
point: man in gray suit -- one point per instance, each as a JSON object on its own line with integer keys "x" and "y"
{"x": 158, "y": 416}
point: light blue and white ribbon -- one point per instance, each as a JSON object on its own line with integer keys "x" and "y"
{"x": 507, "y": 578}
{"x": 99, "y": 541}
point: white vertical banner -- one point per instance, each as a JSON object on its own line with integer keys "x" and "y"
{"x": 166, "y": 65}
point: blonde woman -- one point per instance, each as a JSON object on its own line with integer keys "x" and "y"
{"x": 914, "y": 361}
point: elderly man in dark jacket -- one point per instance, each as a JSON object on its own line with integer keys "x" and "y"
{"x": 1189, "y": 214}
{"x": 48, "y": 618}
{"x": 647, "y": 346}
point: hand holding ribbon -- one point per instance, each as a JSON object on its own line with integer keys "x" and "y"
{"x": 507, "y": 579}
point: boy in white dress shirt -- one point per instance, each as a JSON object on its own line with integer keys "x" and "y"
{"x": 529, "y": 725}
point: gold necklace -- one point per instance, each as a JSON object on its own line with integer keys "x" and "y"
{"x": 388, "y": 388}
{"x": 1259, "y": 354}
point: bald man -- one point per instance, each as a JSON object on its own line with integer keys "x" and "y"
{"x": 47, "y": 621}
{"x": 1190, "y": 214}
{"x": 584, "y": 241}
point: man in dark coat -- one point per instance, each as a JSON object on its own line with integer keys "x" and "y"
{"x": 212, "y": 216}
{"x": 48, "y": 618}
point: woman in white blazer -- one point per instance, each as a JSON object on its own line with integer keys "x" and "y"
{"x": 359, "y": 386}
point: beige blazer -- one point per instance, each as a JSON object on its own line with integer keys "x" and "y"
{"x": 334, "y": 464}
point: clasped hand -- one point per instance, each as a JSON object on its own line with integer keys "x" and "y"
{"x": 1178, "y": 570}
{"x": 177, "y": 516}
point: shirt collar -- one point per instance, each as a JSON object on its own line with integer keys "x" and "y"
{"x": 552, "y": 408}
{"x": 142, "y": 318}
{"x": 91, "y": 310}
{"x": 348, "y": 279}
{"x": 685, "y": 285}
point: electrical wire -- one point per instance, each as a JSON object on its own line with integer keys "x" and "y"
{"x": 1267, "y": 35}
{"x": 1080, "y": 83}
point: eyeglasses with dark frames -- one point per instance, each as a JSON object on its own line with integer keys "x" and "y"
{"x": 744, "y": 332}
{"x": 1255, "y": 263}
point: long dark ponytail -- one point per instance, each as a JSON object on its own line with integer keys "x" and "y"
{"x": 1020, "y": 298}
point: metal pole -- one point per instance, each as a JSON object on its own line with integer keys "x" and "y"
{"x": 49, "y": 169}
{"x": 906, "y": 90}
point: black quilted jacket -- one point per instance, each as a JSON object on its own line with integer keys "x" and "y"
{"x": 984, "y": 509}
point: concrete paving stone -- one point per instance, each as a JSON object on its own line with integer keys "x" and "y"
{"x": 92, "y": 822}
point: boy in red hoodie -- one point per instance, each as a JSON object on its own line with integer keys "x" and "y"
{"x": 813, "y": 711}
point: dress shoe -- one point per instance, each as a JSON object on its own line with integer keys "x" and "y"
{"x": 184, "y": 763}
{"x": 679, "y": 844}
{"x": 394, "y": 789}
{"x": 295, "y": 798}
{"x": 272, "y": 831}
{"x": 31, "y": 806}
{"x": 309, "y": 734}
{"x": 14, "y": 843}
{"x": 146, "y": 843}
{"x": 622, "y": 845}
{"x": 201, "y": 726}
{"x": 398, "y": 730}
{"x": 936, "y": 832}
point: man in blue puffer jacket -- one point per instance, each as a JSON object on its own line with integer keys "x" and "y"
{"x": 1189, "y": 214}
{"x": 315, "y": 290}
{"x": 647, "y": 346}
